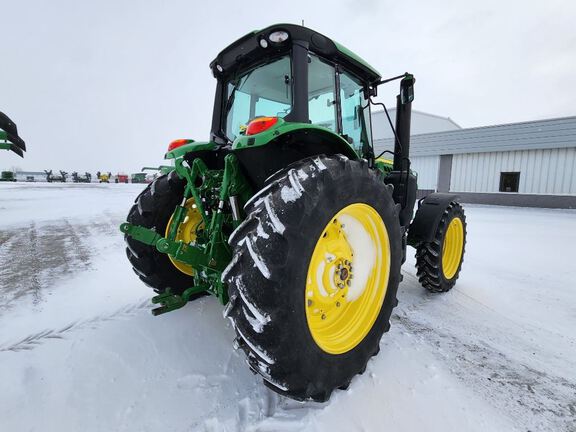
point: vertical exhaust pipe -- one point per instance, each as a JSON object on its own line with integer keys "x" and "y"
{"x": 403, "y": 120}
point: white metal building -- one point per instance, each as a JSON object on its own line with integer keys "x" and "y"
{"x": 421, "y": 123}
{"x": 32, "y": 176}
{"x": 528, "y": 164}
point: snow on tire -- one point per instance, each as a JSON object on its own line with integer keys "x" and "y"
{"x": 267, "y": 278}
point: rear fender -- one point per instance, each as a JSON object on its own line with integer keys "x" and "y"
{"x": 430, "y": 211}
{"x": 282, "y": 129}
{"x": 260, "y": 162}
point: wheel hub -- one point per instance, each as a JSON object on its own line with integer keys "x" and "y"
{"x": 338, "y": 320}
{"x": 452, "y": 248}
{"x": 186, "y": 233}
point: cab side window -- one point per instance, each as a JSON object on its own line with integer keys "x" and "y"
{"x": 322, "y": 93}
{"x": 355, "y": 112}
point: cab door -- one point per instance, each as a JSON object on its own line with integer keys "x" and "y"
{"x": 355, "y": 113}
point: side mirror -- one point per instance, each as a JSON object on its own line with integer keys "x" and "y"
{"x": 407, "y": 89}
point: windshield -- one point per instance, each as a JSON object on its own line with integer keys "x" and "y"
{"x": 264, "y": 91}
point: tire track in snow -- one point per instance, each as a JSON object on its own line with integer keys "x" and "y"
{"x": 35, "y": 257}
{"x": 535, "y": 399}
{"x": 32, "y": 341}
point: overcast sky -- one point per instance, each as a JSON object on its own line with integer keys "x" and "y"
{"x": 106, "y": 85}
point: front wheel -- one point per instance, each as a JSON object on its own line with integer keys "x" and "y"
{"x": 439, "y": 262}
{"x": 315, "y": 273}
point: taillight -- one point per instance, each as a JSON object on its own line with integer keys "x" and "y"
{"x": 178, "y": 143}
{"x": 260, "y": 125}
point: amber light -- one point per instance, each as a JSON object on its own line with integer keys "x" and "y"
{"x": 260, "y": 125}
{"x": 178, "y": 143}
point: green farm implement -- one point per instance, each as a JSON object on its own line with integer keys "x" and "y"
{"x": 289, "y": 218}
{"x": 138, "y": 178}
{"x": 9, "y": 139}
{"x": 7, "y": 176}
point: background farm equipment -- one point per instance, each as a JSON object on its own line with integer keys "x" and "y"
{"x": 103, "y": 177}
{"x": 138, "y": 178}
{"x": 289, "y": 184}
{"x": 121, "y": 178}
{"x": 160, "y": 170}
{"x": 50, "y": 178}
{"x": 86, "y": 178}
{"x": 7, "y": 176}
{"x": 9, "y": 139}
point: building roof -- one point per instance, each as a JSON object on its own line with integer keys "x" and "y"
{"x": 531, "y": 135}
{"x": 390, "y": 110}
{"x": 422, "y": 123}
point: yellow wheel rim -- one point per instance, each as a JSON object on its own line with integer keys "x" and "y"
{"x": 186, "y": 233}
{"x": 347, "y": 278}
{"x": 452, "y": 248}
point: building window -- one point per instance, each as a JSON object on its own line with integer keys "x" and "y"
{"x": 509, "y": 181}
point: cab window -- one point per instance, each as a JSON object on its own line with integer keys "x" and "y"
{"x": 264, "y": 91}
{"x": 322, "y": 93}
{"x": 355, "y": 112}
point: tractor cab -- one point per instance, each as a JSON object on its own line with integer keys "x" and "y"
{"x": 293, "y": 74}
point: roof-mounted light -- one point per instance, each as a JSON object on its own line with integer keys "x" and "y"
{"x": 278, "y": 36}
{"x": 263, "y": 43}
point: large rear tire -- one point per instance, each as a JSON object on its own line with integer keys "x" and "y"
{"x": 153, "y": 209}
{"x": 305, "y": 325}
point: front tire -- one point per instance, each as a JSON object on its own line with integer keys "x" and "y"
{"x": 439, "y": 262}
{"x": 283, "y": 293}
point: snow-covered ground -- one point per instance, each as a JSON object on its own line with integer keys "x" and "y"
{"x": 80, "y": 351}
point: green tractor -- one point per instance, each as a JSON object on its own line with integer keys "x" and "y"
{"x": 9, "y": 139}
{"x": 289, "y": 218}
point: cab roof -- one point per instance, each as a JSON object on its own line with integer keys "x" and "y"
{"x": 248, "y": 51}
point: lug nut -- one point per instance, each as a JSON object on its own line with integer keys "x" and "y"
{"x": 309, "y": 302}
{"x": 323, "y": 316}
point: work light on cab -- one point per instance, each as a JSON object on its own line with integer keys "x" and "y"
{"x": 260, "y": 125}
{"x": 278, "y": 36}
